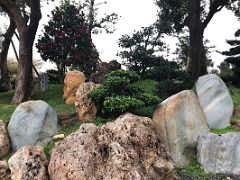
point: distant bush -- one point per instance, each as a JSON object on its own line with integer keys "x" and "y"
{"x": 169, "y": 87}
{"x": 118, "y": 94}
{"x": 53, "y": 77}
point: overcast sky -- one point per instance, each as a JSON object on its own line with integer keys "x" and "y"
{"x": 135, "y": 14}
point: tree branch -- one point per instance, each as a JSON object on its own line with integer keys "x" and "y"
{"x": 215, "y": 6}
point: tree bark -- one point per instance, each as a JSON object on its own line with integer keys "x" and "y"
{"x": 27, "y": 31}
{"x": 5, "y": 78}
{"x": 197, "y": 59}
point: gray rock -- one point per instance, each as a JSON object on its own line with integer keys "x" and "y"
{"x": 127, "y": 148}
{"x": 32, "y": 123}
{"x": 215, "y": 101}
{"x": 219, "y": 153}
{"x": 179, "y": 120}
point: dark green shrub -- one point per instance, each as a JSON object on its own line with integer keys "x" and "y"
{"x": 118, "y": 94}
{"x": 169, "y": 87}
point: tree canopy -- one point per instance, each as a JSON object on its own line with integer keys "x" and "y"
{"x": 66, "y": 40}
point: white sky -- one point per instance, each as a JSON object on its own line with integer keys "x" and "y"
{"x": 135, "y": 14}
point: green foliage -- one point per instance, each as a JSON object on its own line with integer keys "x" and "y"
{"x": 140, "y": 48}
{"x": 120, "y": 104}
{"x": 101, "y": 121}
{"x": 169, "y": 87}
{"x": 66, "y": 40}
{"x": 148, "y": 99}
{"x": 235, "y": 93}
{"x": 120, "y": 94}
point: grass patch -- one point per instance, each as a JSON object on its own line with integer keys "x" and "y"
{"x": 194, "y": 170}
{"x": 235, "y": 93}
{"x": 225, "y": 130}
{"x": 99, "y": 121}
{"x": 148, "y": 86}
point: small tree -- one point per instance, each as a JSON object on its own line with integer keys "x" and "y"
{"x": 67, "y": 42}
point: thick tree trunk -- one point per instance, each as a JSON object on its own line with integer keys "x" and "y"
{"x": 197, "y": 60}
{"x": 5, "y": 78}
{"x": 24, "y": 81}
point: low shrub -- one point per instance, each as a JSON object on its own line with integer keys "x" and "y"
{"x": 119, "y": 94}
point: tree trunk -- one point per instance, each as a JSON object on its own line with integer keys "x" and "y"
{"x": 24, "y": 81}
{"x": 197, "y": 60}
{"x": 27, "y": 31}
{"x": 5, "y": 78}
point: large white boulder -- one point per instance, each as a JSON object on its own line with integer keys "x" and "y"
{"x": 32, "y": 123}
{"x": 179, "y": 120}
{"x": 215, "y": 101}
{"x": 219, "y": 153}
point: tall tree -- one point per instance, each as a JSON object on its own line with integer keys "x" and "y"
{"x": 183, "y": 47}
{"x": 5, "y": 44}
{"x": 141, "y": 49}
{"x": 66, "y": 41}
{"x": 175, "y": 14}
{"x": 97, "y": 23}
{"x": 26, "y": 22}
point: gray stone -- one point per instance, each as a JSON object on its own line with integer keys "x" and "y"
{"x": 29, "y": 163}
{"x": 219, "y": 153}
{"x": 127, "y": 148}
{"x": 179, "y": 120}
{"x": 32, "y": 123}
{"x": 215, "y": 101}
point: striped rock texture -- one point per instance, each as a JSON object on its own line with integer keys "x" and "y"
{"x": 179, "y": 120}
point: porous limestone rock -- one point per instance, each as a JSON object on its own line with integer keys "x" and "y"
{"x": 29, "y": 163}
{"x": 32, "y": 123}
{"x": 215, "y": 101}
{"x": 219, "y": 153}
{"x": 179, "y": 120}
{"x": 4, "y": 140}
{"x": 127, "y": 148}
{"x": 85, "y": 107}
{"x": 4, "y": 171}
{"x": 71, "y": 83}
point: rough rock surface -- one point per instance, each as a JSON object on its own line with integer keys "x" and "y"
{"x": 104, "y": 68}
{"x": 4, "y": 171}
{"x": 125, "y": 149}
{"x": 29, "y": 163}
{"x": 85, "y": 107}
{"x": 4, "y": 140}
{"x": 219, "y": 153}
{"x": 32, "y": 123}
{"x": 71, "y": 83}
{"x": 215, "y": 101}
{"x": 179, "y": 120}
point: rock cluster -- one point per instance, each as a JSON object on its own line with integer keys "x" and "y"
{"x": 125, "y": 149}
{"x": 179, "y": 120}
{"x": 102, "y": 69}
{"x": 71, "y": 83}
{"x": 32, "y": 123}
